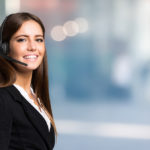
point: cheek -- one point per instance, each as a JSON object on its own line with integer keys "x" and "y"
{"x": 12, "y": 51}
{"x": 15, "y": 49}
{"x": 15, "y": 52}
{"x": 42, "y": 51}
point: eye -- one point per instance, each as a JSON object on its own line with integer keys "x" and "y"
{"x": 39, "y": 40}
{"x": 20, "y": 40}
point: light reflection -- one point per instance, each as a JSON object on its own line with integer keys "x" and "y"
{"x": 113, "y": 130}
{"x": 71, "y": 28}
{"x": 57, "y": 33}
{"x": 83, "y": 24}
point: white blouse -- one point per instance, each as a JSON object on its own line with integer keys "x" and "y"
{"x": 26, "y": 96}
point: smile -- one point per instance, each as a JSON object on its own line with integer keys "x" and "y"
{"x": 30, "y": 56}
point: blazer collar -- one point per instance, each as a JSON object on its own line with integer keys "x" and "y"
{"x": 33, "y": 115}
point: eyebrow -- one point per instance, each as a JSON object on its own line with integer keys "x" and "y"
{"x": 24, "y": 35}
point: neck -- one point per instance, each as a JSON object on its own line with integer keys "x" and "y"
{"x": 24, "y": 80}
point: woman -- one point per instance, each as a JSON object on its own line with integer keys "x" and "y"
{"x": 26, "y": 120}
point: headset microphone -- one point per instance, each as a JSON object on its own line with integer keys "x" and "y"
{"x": 11, "y": 59}
{"x": 4, "y": 47}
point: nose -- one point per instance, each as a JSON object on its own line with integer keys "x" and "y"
{"x": 31, "y": 45}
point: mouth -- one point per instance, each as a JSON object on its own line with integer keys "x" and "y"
{"x": 30, "y": 57}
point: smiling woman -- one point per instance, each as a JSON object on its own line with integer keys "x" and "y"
{"x": 26, "y": 119}
{"x": 27, "y": 45}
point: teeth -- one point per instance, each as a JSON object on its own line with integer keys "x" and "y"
{"x": 30, "y": 57}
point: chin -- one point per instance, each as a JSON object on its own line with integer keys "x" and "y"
{"x": 32, "y": 67}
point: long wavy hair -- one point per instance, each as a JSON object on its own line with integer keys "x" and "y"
{"x": 39, "y": 80}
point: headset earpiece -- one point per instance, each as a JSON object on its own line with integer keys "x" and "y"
{"x": 5, "y": 48}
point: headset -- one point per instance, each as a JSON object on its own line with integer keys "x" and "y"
{"x": 4, "y": 46}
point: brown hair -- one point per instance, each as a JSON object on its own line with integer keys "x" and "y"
{"x": 40, "y": 75}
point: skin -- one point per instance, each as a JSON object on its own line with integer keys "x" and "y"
{"x": 27, "y": 45}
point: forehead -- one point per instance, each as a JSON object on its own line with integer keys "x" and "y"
{"x": 29, "y": 27}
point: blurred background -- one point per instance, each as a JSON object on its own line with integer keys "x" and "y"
{"x": 99, "y": 57}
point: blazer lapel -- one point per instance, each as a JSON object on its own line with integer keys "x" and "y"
{"x": 33, "y": 115}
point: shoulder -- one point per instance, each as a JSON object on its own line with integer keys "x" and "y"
{"x": 10, "y": 94}
{"x": 5, "y": 101}
{"x": 5, "y": 95}
{"x": 4, "y": 91}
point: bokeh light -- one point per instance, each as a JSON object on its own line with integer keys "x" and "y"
{"x": 57, "y": 33}
{"x": 83, "y": 24}
{"x": 71, "y": 28}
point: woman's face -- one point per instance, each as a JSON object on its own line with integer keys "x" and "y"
{"x": 27, "y": 45}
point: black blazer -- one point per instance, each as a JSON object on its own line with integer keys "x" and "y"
{"x": 21, "y": 125}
